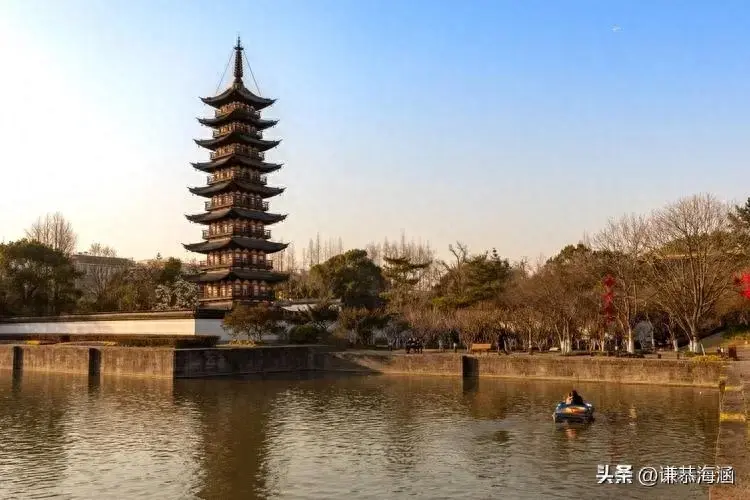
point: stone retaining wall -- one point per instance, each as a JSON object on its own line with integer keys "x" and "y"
{"x": 578, "y": 368}
{"x": 191, "y": 363}
{"x": 186, "y": 363}
{"x": 138, "y": 361}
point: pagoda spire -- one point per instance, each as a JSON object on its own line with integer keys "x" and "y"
{"x": 238, "y": 61}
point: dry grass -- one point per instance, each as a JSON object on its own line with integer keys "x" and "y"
{"x": 708, "y": 358}
{"x": 731, "y": 417}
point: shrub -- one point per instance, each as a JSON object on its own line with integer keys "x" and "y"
{"x": 707, "y": 358}
{"x": 305, "y": 334}
{"x": 251, "y": 322}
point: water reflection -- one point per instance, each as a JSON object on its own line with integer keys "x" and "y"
{"x": 338, "y": 437}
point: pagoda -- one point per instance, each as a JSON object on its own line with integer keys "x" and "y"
{"x": 236, "y": 242}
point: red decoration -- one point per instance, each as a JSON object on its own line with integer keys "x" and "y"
{"x": 743, "y": 283}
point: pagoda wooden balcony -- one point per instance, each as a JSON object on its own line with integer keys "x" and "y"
{"x": 243, "y": 128}
{"x": 236, "y": 231}
{"x": 233, "y": 202}
{"x": 237, "y": 174}
{"x": 238, "y": 149}
{"x": 235, "y": 105}
{"x": 266, "y": 265}
{"x": 237, "y": 293}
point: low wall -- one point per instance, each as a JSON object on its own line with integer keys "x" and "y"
{"x": 6, "y": 357}
{"x": 124, "y": 325}
{"x": 238, "y": 361}
{"x": 137, "y": 361}
{"x": 594, "y": 369}
{"x": 187, "y": 363}
{"x": 156, "y": 362}
{"x": 50, "y": 358}
{"x": 417, "y": 364}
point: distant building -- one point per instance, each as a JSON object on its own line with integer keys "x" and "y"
{"x": 94, "y": 267}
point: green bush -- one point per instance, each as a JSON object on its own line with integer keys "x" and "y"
{"x": 305, "y": 334}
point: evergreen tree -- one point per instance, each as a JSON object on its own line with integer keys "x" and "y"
{"x": 401, "y": 276}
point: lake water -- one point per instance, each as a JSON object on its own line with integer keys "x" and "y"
{"x": 334, "y": 437}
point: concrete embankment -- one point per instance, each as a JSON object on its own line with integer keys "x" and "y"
{"x": 222, "y": 361}
{"x": 733, "y": 442}
{"x": 155, "y": 362}
{"x": 550, "y": 367}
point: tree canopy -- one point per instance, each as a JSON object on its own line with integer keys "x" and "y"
{"x": 36, "y": 279}
{"x": 352, "y": 276}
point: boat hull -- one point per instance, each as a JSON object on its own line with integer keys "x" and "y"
{"x": 573, "y": 413}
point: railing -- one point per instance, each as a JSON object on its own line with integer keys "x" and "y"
{"x": 244, "y": 128}
{"x": 238, "y": 293}
{"x": 251, "y": 204}
{"x": 236, "y": 231}
{"x": 235, "y": 105}
{"x": 237, "y": 149}
{"x": 237, "y": 174}
{"x": 261, "y": 264}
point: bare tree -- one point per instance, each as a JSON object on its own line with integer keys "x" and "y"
{"x": 623, "y": 243}
{"x": 55, "y": 231}
{"x": 692, "y": 257}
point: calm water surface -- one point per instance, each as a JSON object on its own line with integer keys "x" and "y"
{"x": 338, "y": 438}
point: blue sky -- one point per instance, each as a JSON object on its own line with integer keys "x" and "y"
{"x": 519, "y": 125}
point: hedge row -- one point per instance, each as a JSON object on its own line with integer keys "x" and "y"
{"x": 176, "y": 341}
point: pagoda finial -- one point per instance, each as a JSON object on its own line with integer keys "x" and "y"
{"x": 238, "y": 60}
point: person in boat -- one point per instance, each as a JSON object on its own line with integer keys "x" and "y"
{"x": 574, "y": 398}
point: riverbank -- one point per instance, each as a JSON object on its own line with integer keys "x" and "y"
{"x": 677, "y": 372}
{"x": 733, "y": 442}
{"x": 226, "y": 361}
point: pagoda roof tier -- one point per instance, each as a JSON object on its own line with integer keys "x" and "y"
{"x": 238, "y": 212}
{"x": 237, "y": 159}
{"x": 235, "y": 185}
{"x": 237, "y": 92}
{"x": 235, "y": 242}
{"x": 238, "y": 115}
{"x": 236, "y": 136}
{"x": 242, "y": 274}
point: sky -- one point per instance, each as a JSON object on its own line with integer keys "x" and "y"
{"x": 517, "y": 125}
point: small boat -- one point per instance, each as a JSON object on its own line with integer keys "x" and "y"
{"x": 573, "y": 413}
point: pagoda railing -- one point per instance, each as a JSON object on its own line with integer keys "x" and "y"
{"x": 237, "y": 231}
{"x": 240, "y": 149}
{"x": 237, "y": 126}
{"x": 229, "y": 202}
{"x": 236, "y": 173}
{"x": 224, "y": 110}
{"x": 260, "y": 264}
{"x": 238, "y": 293}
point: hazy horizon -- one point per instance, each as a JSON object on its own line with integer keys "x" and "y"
{"x": 514, "y": 125}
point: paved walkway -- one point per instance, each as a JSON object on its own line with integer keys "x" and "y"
{"x": 733, "y": 443}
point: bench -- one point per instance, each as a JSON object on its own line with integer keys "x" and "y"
{"x": 480, "y": 347}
